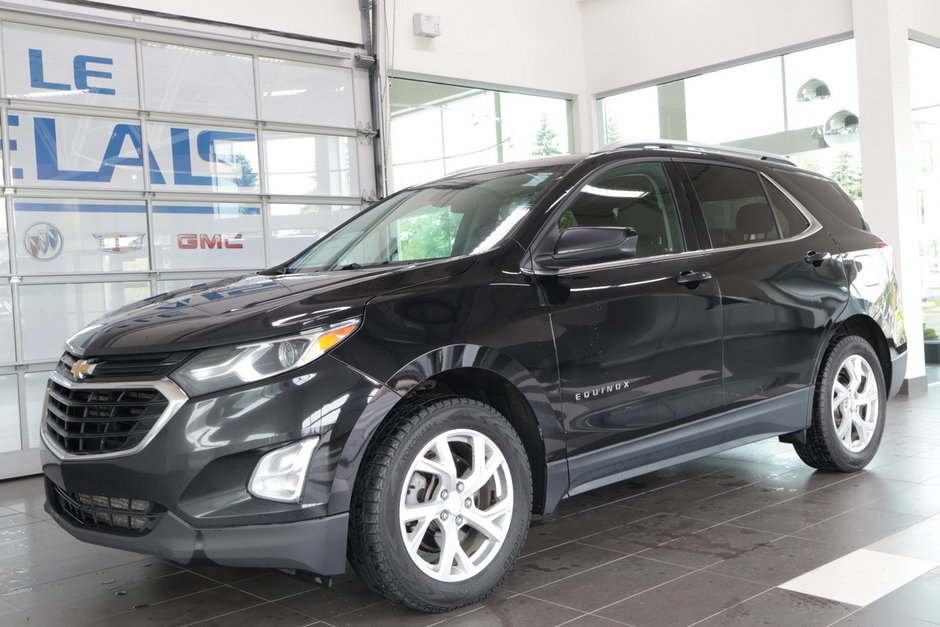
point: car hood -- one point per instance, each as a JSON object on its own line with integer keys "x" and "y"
{"x": 249, "y": 308}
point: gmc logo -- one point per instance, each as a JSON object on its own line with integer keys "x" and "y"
{"x": 191, "y": 241}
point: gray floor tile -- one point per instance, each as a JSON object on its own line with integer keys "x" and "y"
{"x": 646, "y": 533}
{"x": 712, "y": 545}
{"x": 859, "y": 527}
{"x": 554, "y": 564}
{"x": 869, "y": 617}
{"x": 547, "y": 533}
{"x": 185, "y": 610}
{"x": 599, "y": 587}
{"x": 322, "y": 604}
{"x": 519, "y": 610}
{"x": 780, "y": 607}
{"x": 783, "y": 559}
{"x": 790, "y": 516}
{"x": 683, "y": 601}
{"x": 267, "y": 615}
{"x": 919, "y": 599}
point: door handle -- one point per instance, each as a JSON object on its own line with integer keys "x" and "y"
{"x": 692, "y": 279}
{"x": 815, "y": 258}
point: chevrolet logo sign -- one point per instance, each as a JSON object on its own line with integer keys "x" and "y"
{"x": 82, "y": 368}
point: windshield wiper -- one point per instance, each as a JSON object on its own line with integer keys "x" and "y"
{"x": 351, "y": 266}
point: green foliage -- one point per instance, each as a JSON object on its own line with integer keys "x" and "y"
{"x": 848, "y": 174}
{"x": 806, "y": 163}
{"x": 930, "y": 334}
{"x": 248, "y": 177}
{"x": 546, "y": 141}
{"x": 428, "y": 235}
{"x": 611, "y": 130}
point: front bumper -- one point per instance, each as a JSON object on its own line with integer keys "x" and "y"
{"x": 195, "y": 470}
{"x": 317, "y": 545}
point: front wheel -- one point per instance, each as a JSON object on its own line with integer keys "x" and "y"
{"x": 442, "y": 505}
{"x": 848, "y": 409}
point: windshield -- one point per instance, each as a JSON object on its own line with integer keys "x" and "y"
{"x": 457, "y": 216}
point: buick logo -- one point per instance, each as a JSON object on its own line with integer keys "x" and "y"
{"x": 119, "y": 242}
{"x": 43, "y": 241}
{"x": 83, "y": 368}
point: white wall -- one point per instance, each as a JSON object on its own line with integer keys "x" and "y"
{"x": 525, "y": 43}
{"x": 628, "y": 42}
{"x": 331, "y": 19}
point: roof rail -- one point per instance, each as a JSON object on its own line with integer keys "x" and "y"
{"x": 669, "y": 144}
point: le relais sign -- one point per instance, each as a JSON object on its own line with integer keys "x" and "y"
{"x": 102, "y": 151}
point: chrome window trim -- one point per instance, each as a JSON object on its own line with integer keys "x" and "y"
{"x": 172, "y": 392}
{"x": 814, "y": 227}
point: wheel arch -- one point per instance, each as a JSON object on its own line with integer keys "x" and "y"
{"x": 488, "y": 376}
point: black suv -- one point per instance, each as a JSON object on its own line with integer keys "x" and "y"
{"x": 407, "y": 390}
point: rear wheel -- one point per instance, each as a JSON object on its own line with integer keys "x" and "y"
{"x": 848, "y": 409}
{"x": 442, "y": 505}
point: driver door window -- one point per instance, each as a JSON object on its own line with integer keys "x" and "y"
{"x": 637, "y": 195}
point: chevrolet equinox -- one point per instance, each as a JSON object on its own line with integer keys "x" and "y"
{"x": 406, "y": 391}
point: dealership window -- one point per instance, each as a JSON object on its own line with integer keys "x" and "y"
{"x": 802, "y": 104}
{"x": 925, "y": 102}
{"x": 135, "y": 162}
{"x": 438, "y": 129}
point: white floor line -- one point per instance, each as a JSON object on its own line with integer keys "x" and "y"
{"x": 861, "y": 577}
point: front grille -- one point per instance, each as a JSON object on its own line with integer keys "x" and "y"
{"x": 126, "y": 367}
{"x": 116, "y": 514}
{"x": 86, "y": 421}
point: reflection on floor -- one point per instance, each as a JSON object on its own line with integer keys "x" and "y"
{"x": 748, "y": 537}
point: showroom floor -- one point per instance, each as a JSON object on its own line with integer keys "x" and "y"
{"x": 748, "y": 537}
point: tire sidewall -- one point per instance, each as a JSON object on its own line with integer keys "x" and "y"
{"x": 487, "y": 421}
{"x": 851, "y": 345}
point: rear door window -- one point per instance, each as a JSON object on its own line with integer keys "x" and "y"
{"x": 733, "y": 203}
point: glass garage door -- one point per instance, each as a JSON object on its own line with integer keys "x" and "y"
{"x": 135, "y": 162}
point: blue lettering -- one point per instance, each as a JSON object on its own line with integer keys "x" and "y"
{"x": 182, "y": 162}
{"x": 205, "y": 144}
{"x": 47, "y": 154}
{"x": 36, "y": 78}
{"x": 82, "y": 73}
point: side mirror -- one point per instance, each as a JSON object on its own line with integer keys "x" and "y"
{"x": 580, "y": 245}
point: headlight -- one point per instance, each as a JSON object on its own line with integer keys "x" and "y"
{"x": 219, "y": 368}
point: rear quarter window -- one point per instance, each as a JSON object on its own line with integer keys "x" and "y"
{"x": 818, "y": 193}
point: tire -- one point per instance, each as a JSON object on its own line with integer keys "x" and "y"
{"x": 413, "y": 509}
{"x": 848, "y": 408}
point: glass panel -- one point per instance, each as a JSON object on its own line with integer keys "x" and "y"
{"x": 35, "y": 395}
{"x": 55, "y": 66}
{"x": 305, "y": 93}
{"x": 294, "y": 227}
{"x": 316, "y": 165}
{"x": 202, "y": 236}
{"x": 80, "y": 236}
{"x": 202, "y": 159}
{"x": 4, "y": 238}
{"x": 181, "y": 79}
{"x": 441, "y": 129}
{"x": 631, "y": 115}
{"x": 789, "y": 218}
{"x": 925, "y": 99}
{"x": 52, "y": 313}
{"x": 819, "y": 82}
{"x": 9, "y": 414}
{"x": 733, "y": 203}
{"x": 7, "y": 352}
{"x": 56, "y": 150}
{"x": 740, "y": 102}
{"x": 636, "y": 195}
{"x": 533, "y": 126}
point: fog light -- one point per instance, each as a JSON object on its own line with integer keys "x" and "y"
{"x": 280, "y": 474}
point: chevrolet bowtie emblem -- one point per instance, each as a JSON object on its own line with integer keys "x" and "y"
{"x": 82, "y": 368}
